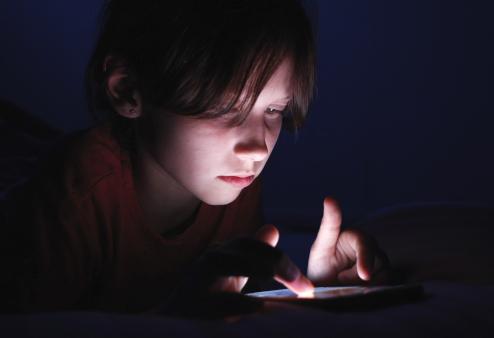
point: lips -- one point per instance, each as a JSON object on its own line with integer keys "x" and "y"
{"x": 238, "y": 181}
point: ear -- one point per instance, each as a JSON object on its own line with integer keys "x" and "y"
{"x": 121, "y": 89}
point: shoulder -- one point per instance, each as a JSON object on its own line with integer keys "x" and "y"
{"x": 85, "y": 160}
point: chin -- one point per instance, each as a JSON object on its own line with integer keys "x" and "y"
{"x": 220, "y": 198}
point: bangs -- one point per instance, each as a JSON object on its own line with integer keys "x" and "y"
{"x": 225, "y": 58}
{"x": 250, "y": 76}
{"x": 205, "y": 58}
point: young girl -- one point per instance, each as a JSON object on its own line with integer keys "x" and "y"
{"x": 150, "y": 209}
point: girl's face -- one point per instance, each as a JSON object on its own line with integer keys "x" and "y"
{"x": 200, "y": 154}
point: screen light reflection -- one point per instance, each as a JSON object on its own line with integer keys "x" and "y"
{"x": 306, "y": 294}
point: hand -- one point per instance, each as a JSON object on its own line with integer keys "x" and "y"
{"x": 212, "y": 286}
{"x": 347, "y": 257}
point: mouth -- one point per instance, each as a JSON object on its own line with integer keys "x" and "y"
{"x": 238, "y": 181}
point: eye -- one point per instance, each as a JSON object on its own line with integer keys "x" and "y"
{"x": 272, "y": 112}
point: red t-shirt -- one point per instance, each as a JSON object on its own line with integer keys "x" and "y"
{"x": 77, "y": 239}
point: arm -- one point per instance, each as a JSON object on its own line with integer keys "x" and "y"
{"x": 44, "y": 256}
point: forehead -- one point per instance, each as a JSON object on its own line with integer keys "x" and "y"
{"x": 277, "y": 88}
{"x": 279, "y": 84}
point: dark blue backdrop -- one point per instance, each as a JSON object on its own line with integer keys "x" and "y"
{"x": 403, "y": 112}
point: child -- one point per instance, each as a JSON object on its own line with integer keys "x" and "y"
{"x": 149, "y": 207}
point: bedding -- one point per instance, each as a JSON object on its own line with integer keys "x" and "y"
{"x": 451, "y": 310}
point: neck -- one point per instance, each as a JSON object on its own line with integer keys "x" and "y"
{"x": 167, "y": 205}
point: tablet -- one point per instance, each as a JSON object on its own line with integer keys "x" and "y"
{"x": 348, "y": 297}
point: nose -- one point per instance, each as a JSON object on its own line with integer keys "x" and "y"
{"x": 252, "y": 144}
{"x": 251, "y": 151}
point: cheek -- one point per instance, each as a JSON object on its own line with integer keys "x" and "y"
{"x": 196, "y": 151}
{"x": 272, "y": 135}
{"x": 173, "y": 147}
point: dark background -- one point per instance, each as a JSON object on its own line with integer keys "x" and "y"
{"x": 403, "y": 114}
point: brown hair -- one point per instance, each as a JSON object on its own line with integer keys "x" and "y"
{"x": 196, "y": 57}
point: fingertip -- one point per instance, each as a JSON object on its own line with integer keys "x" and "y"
{"x": 274, "y": 234}
{"x": 364, "y": 276}
{"x": 365, "y": 259}
{"x": 268, "y": 234}
{"x": 301, "y": 285}
{"x": 330, "y": 202}
{"x": 331, "y": 207}
{"x": 364, "y": 273}
{"x": 304, "y": 286}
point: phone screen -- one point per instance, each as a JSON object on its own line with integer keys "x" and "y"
{"x": 320, "y": 292}
{"x": 350, "y": 297}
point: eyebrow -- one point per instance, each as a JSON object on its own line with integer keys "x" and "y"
{"x": 286, "y": 98}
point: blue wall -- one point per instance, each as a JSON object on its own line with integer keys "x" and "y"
{"x": 403, "y": 114}
{"x": 45, "y": 47}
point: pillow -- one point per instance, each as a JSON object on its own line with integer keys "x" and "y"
{"x": 437, "y": 241}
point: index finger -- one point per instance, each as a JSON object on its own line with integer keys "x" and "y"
{"x": 252, "y": 258}
{"x": 288, "y": 274}
{"x": 329, "y": 230}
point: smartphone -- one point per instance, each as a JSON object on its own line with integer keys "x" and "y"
{"x": 348, "y": 297}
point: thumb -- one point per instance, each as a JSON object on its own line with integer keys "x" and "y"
{"x": 268, "y": 234}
